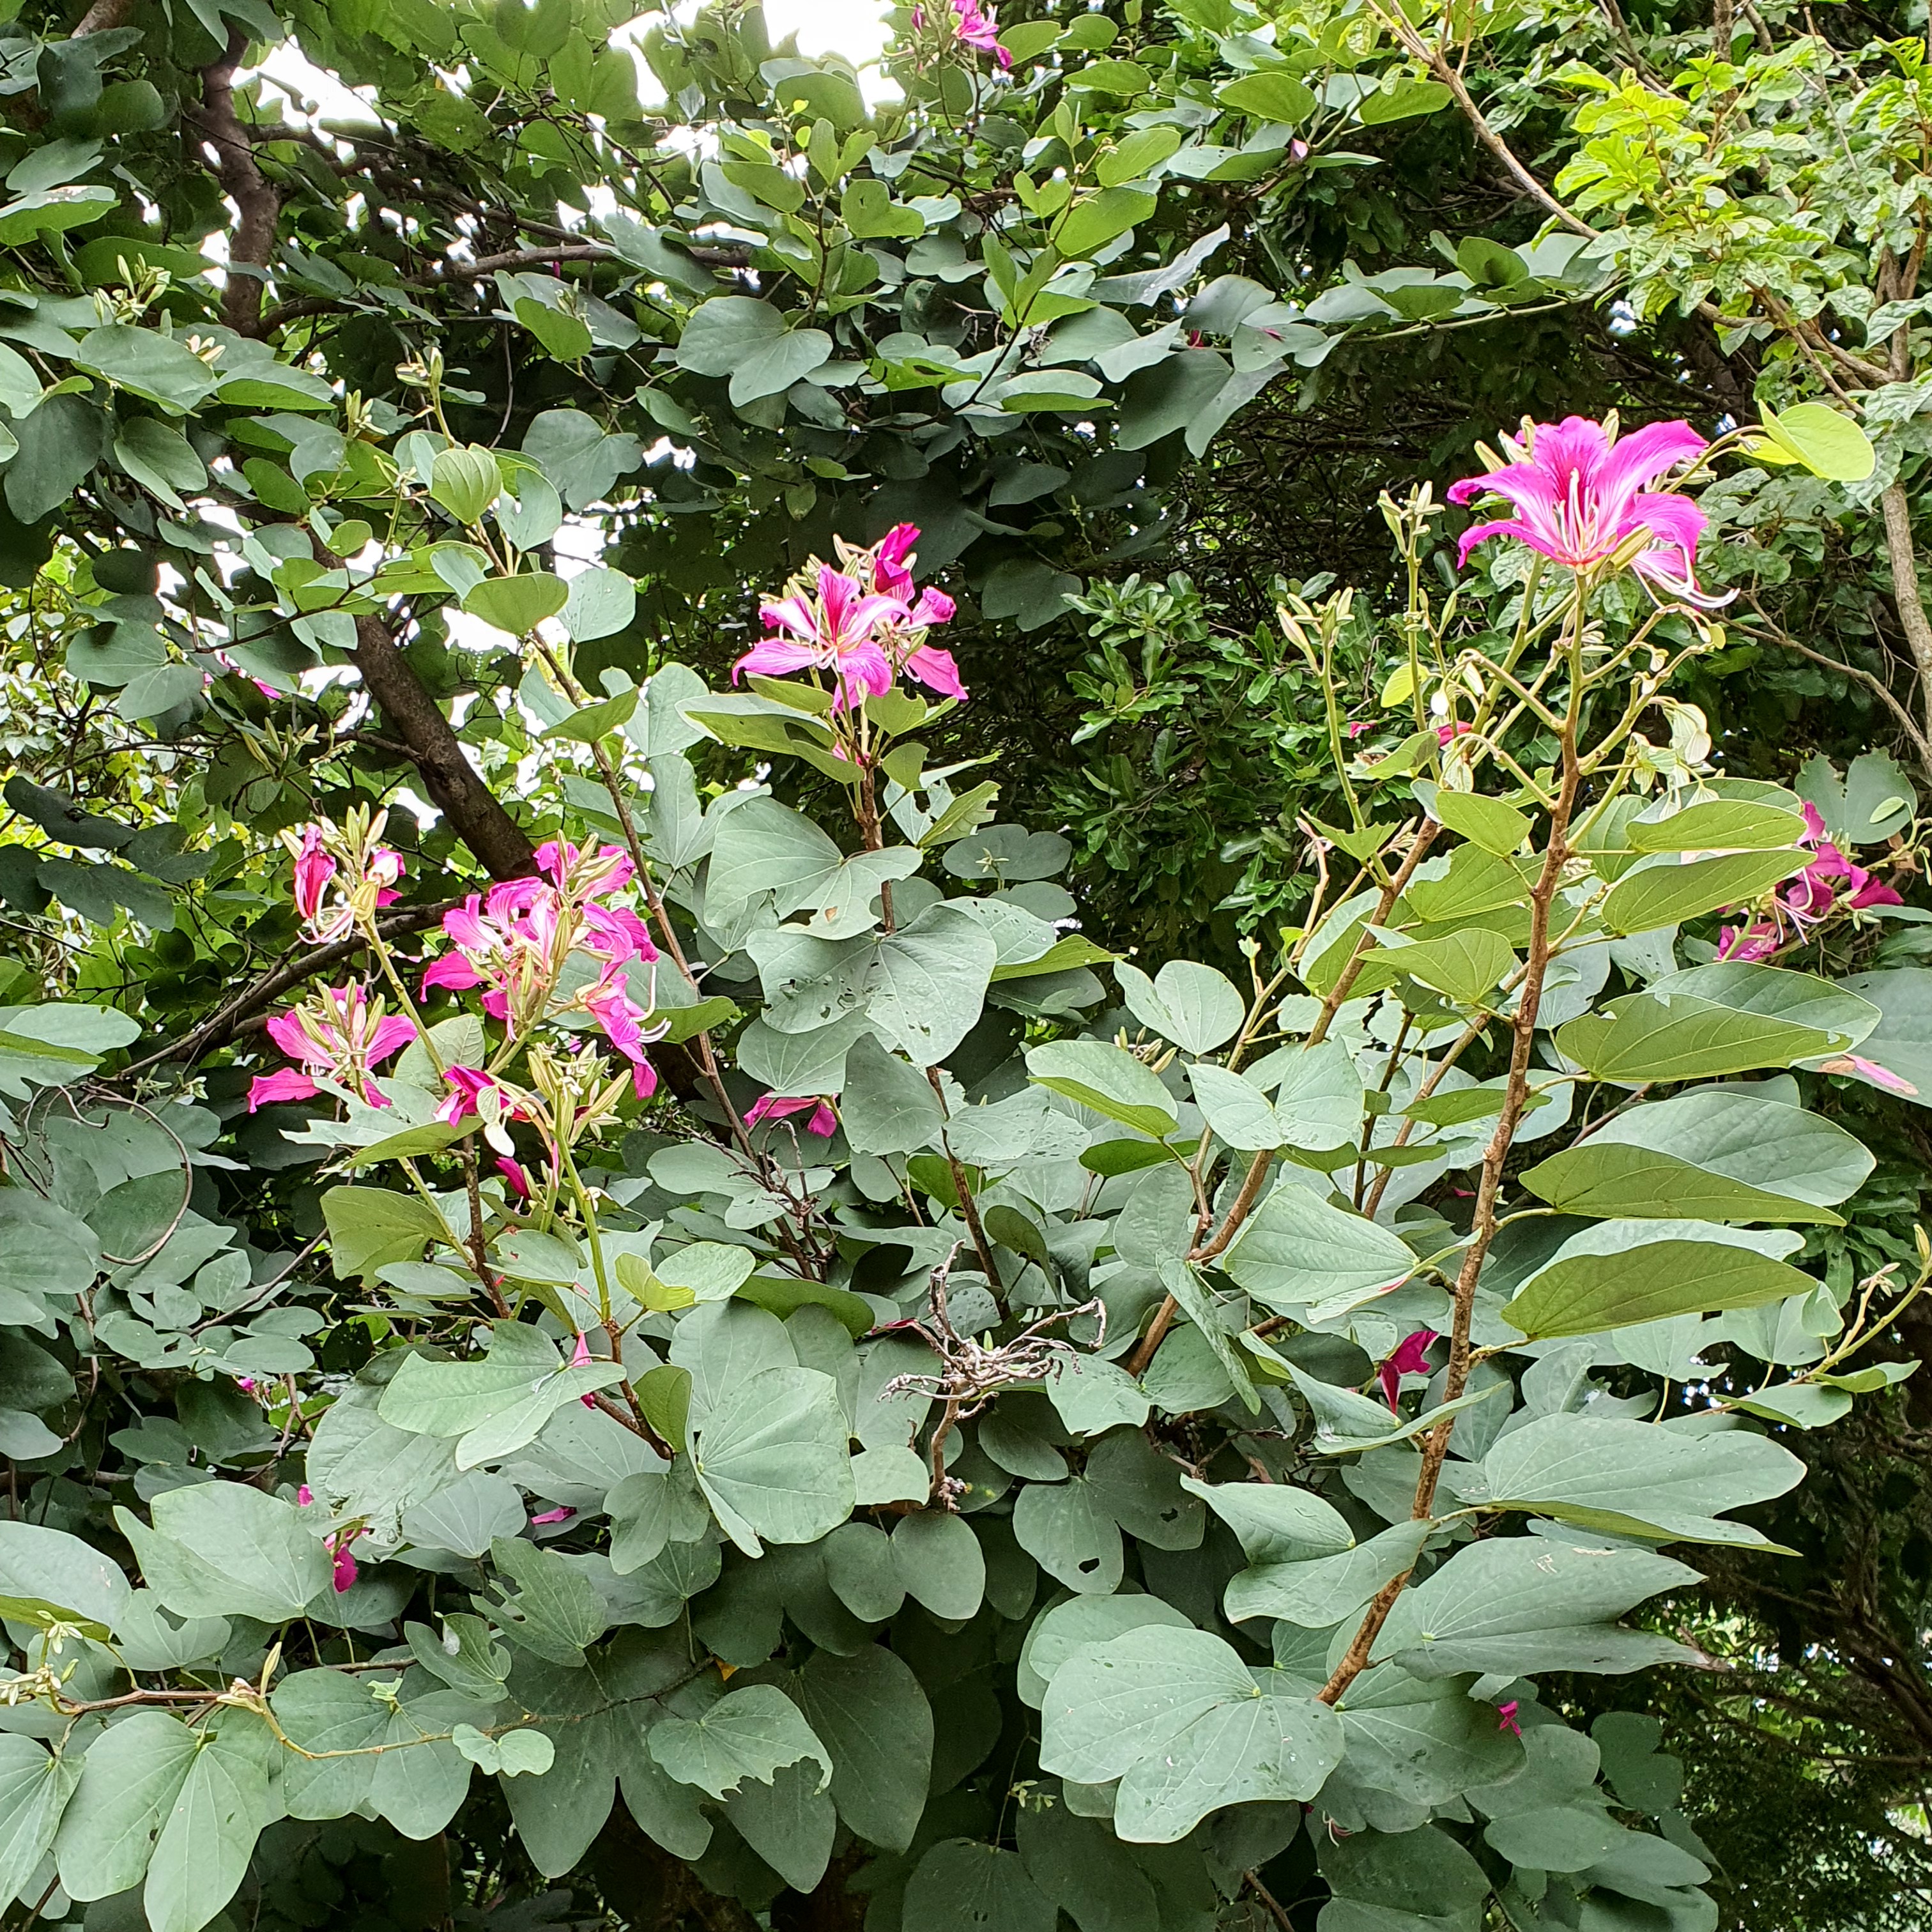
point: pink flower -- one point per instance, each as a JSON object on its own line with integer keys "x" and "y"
{"x": 1448, "y": 734}
{"x": 581, "y": 1358}
{"x": 246, "y": 1383}
{"x": 304, "y": 1495}
{"x": 1410, "y": 1357}
{"x": 775, "y": 1107}
{"x": 1879, "y": 1076}
{"x": 836, "y": 628}
{"x": 1506, "y": 1718}
{"x": 471, "y": 1083}
{"x": 1749, "y": 943}
{"x": 1815, "y": 891}
{"x": 339, "y": 1032}
{"x": 559, "y": 1515}
{"x": 1355, "y": 731}
{"x": 314, "y": 868}
{"x": 512, "y": 1171}
{"x": 316, "y": 871}
{"x": 587, "y": 874}
{"x": 1578, "y": 500}
{"x": 977, "y": 29}
{"x": 345, "y": 1570}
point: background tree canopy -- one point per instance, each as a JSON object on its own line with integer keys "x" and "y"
{"x": 1191, "y": 1441}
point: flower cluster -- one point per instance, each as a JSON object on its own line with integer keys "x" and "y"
{"x": 970, "y": 25}
{"x": 861, "y": 621}
{"x": 339, "y": 1034}
{"x": 329, "y": 900}
{"x": 516, "y": 942}
{"x": 1581, "y": 499}
{"x": 1830, "y": 882}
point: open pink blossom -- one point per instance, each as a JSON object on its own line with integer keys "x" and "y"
{"x": 892, "y": 561}
{"x": 1409, "y": 1357}
{"x": 978, "y": 29}
{"x": 1749, "y": 943}
{"x": 835, "y": 625}
{"x": 328, "y": 918}
{"x": 775, "y": 1106}
{"x": 338, "y": 1032}
{"x": 588, "y": 875}
{"x": 1816, "y": 890}
{"x": 1580, "y": 498}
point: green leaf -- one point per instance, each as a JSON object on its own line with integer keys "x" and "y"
{"x": 723, "y": 335}
{"x": 203, "y": 1851}
{"x": 1610, "y": 1178}
{"x": 493, "y": 1406}
{"x": 593, "y": 721}
{"x": 1814, "y": 434}
{"x": 1668, "y": 893}
{"x": 601, "y": 603}
{"x": 770, "y": 368}
{"x": 1180, "y": 1721}
{"x": 1068, "y": 1530}
{"x": 35, "y": 1785}
{"x": 161, "y": 459}
{"x": 564, "y": 337}
{"x": 1716, "y": 825}
{"x": 466, "y": 480}
{"x": 1674, "y": 1036}
{"x": 1236, "y": 1110}
{"x": 1468, "y": 966}
{"x": 1487, "y": 822}
{"x": 52, "y": 210}
{"x": 132, "y": 1774}
{"x": 370, "y": 1227}
{"x": 1296, "y": 1252}
{"x": 1272, "y": 95}
{"x": 1637, "y": 1478}
{"x": 1078, "y": 1623}
{"x": 1425, "y": 1743}
{"x": 1108, "y": 1080}
{"x": 1195, "y": 1006}
{"x": 1317, "y": 1594}
{"x": 228, "y": 1550}
{"x": 518, "y": 605}
{"x": 50, "y": 1565}
{"x": 962, "y": 1885}
{"x": 874, "y": 1720}
{"x": 1275, "y": 1523}
{"x": 888, "y": 1106}
{"x": 161, "y": 368}
{"x": 1875, "y": 800}
{"x": 1091, "y": 222}
{"x": 771, "y": 1458}
{"x": 1406, "y": 98}
{"x": 1519, "y": 1604}
{"x": 1618, "y": 1273}
{"x": 555, "y": 1611}
{"x": 938, "y": 1562}
{"x": 749, "y": 1733}
{"x": 1085, "y": 1871}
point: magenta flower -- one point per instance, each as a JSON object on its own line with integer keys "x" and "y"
{"x": 562, "y": 1514}
{"x": 517, "y": 1180}
{"x": 345, "y": 1569}
{"x": 775, "y": 1107}
{"x": 977, "y": 29}
{"x": 1409, "y": 1357}
{"x": 1578, "y": 500}
{"x": 1816, "y": 891}
{"x": 304, "y": 1495}
{"x": 891, "y": 577}
{"x": 314, "y": 868}
{"x": 1506, "y": 1718}
{"x": 581, "y": 1358}
{"x": 1750, "y": 943}
{"x": 338, "y": 1032}
{"x": 316, "y": 871}
{"x": 836, "y": 628}
{"x": 1446, "y": 735}
{"x": 1879, "y": 1076}
{"x": 246, "y": 1384}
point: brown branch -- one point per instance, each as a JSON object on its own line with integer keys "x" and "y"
{"x": 474, "y": 812}
{"x": 102, "y": 17}
{"x": 1905, "y": 587}
{"x": 243, "y": 182}
{"x": 222, "y": 1026}
{"x": 1777, "y": 635}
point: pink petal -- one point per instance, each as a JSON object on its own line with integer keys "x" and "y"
{"x": 289, "y": 1084}
{"x": 824, "y": 1122}
{"x": 392, "y": 1033}
{"x": 559, "y": 1515}
{"x": 304, "y": 1495}
{"x": 936, "y": 671}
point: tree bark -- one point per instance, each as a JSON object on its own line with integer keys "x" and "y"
{"x": 1905, "y": 589}
{"x": 242, "y": 179}
{"x": 452, "y": 782}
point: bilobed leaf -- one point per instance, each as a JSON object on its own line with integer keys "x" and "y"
{"x": 1181, "y": 1721}
{"x": 1519, "y": 1604}
{"x": 1297, "y": 1251}
{"x": 1637, "y": 1478}
{"x": 1828, "y": 443}
{"x": 1716, "y": 824}
{"x": 1468, "y": 966}
{"x": 1315, "y": 1594}
{"x": 873, "y": 1715}
{"x": 1272, "y": 95}
{"x": 1193, "y": 1005}
{"x": 747, "y": 1733}
{"x": 1425, "y": 1742}
{"x": 51, "y": 1566}
{"x": 771, "y": 1457}
{"x": 1107, "y": 1079}
{"x": 129, "y": 1781}
{"x": 938, "y": 1560}
{"x": 1276, "y": 1522}
{"x": 370, "y": 1227}
{"x": 962, "y": 1885}
{"x": 1236, "y": 1110}
{"x": 1618, "y": 1273}
{"x": 518, "y": 605}
{"x": 1487, "y": 822}
{"x": 35, "y": 1784}
{"x": 1068, "y": 1530}
{"x": 1078, "y": 1624}
{"x": 209, "y": 1834}
{"x": 228, "y": 1549}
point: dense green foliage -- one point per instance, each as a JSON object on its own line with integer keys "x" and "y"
{"x": 393, "y": 1539}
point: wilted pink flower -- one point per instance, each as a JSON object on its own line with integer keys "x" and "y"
{"x": 977, "y": 29}
{"x": 1409, "y": 1357}
{"x": 1506, "y": 1718}
{"x": 339, "y": 1032}
{"x": 1879, "y": 1076}
{"x": 562, "y": 1514}
{"x": 1448, "y": 734}
{"x": 518, "y": 1181}
{"x": 775, "y": 1107}
{"x": 1356, "y": 730}
{"x": 345, "y": 1570}
{"x": 304, "y": 1495}
{"x": 1580, "y": 498}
